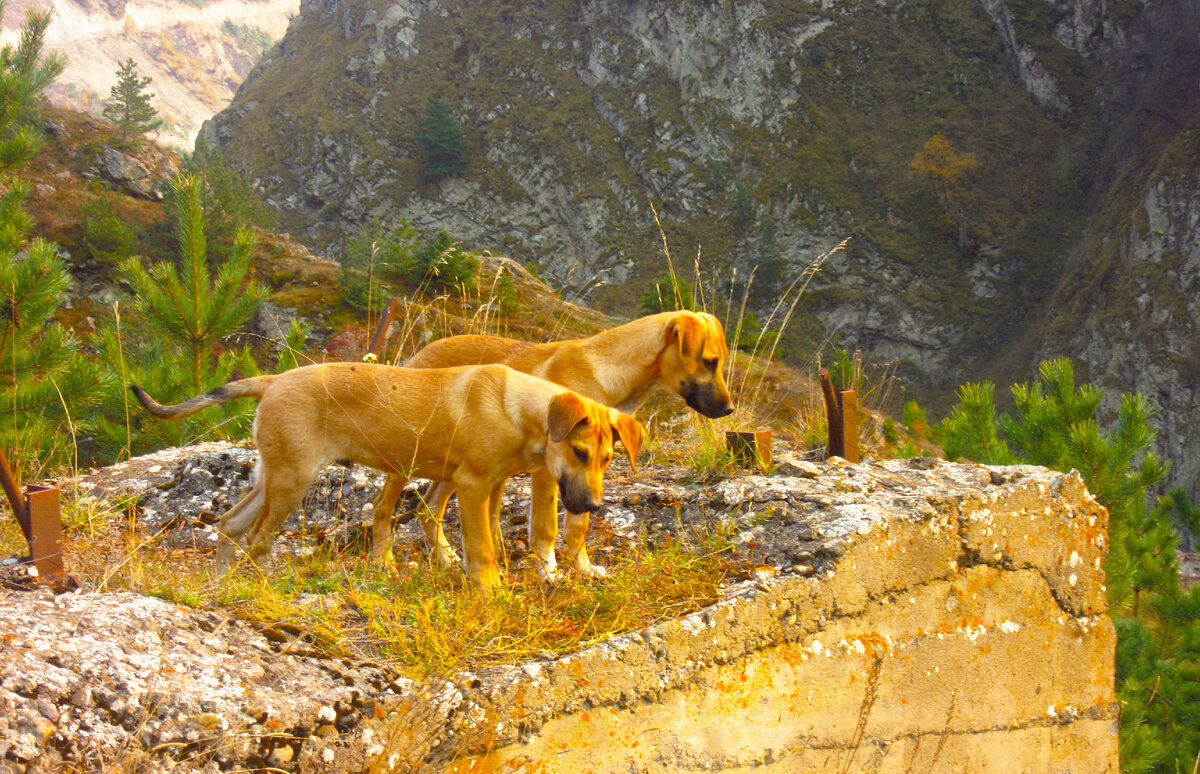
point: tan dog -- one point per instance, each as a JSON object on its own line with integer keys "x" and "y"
{"x": 473, "y": 426}
{"x": 682, "y": 352}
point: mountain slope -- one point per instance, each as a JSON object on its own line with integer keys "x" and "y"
{"x": 764, "y": 133}
{"x": 197, "y": 53}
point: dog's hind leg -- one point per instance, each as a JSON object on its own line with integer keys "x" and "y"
{"x": 431, "y": 516}
{"x": 285, "y": 488}
{"x": 235, "y": 522}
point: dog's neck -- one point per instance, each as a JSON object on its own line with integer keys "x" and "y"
{"x": 624, "y": 362}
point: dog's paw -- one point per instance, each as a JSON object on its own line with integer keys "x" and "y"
{"x": 387, "y": 563}
{"x": 447, "y": 557}
{"x": 592, "y": 571}
{"x": 549, "y": 573}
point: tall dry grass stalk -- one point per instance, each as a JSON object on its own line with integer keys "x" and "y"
{"x": 789, "y": 300}
{"x": 748, "y": 374}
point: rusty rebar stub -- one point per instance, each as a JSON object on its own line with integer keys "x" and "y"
{"x": 841, "y": 409}
{"x": 385, "y": 322}
{"x": 43, "y": 566}
{"x": 751, "y": 447}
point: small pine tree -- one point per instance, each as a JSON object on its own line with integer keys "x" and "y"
{"x": 43, "y": 378}
{"x": 182, "y": 312}
{"x": 46, "y": 386}
{"x": 446, "y": 149}
{"x": 129, "y": 105}
{"x": 971, "y": 429}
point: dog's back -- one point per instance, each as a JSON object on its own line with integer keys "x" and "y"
{"x": 469, "y": 350}
{"x": 389, "y": 418}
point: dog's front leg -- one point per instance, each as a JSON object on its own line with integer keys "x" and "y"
{"x": 432, "y": 515}
{"x": 543, "y": 523}
{"x": 381, "y": 525}
{"x": 495, "y": 503}
{"x": 478, "y": 548}
{"x": 575, "y": 544}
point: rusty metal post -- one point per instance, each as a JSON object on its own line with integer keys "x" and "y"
{"x": 848, "y": 403}
{"x": 45, "y": 533}
{"x": 39, "y": 513}
{"x": 384, "y": 324}
{"x": 752, "y": 447}
{"x": 833, "y": 414}
{"x": 841, "y": 408}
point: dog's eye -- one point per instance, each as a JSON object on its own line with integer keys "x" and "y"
{"x": 711, "y": 364}
{"x": 581, "y": 454}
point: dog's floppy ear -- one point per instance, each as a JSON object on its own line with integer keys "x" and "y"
{"x": 630, "y": 431}
{"x": 687, "y": 331}
{"x": 567, "y": 409}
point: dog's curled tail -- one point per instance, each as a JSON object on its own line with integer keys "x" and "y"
{"x": 243, "y": 388}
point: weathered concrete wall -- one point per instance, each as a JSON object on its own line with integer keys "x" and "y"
{"x": 904, "y": 620}
{"x": 960, "y": 627}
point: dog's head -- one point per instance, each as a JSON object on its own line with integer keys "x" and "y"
{"x": 693, "y": 362}
{"x": 580, "y": 448}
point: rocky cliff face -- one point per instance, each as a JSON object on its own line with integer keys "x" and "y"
{"x": 197, "y": 53}
{"x": 1126, "y": 306}
{"x": 764, "y": 133}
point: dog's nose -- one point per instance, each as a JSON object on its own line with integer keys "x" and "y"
{"x": 727, "y": 410}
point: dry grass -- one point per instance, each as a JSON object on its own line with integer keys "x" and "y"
{"x": 766, "y": 393}
{"x": 425, "y": 620}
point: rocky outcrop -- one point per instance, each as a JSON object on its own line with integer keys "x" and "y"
{"x": 140, "y": 175}
{"x": 902, "y": 617}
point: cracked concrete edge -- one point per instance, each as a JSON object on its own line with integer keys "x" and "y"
{"x": 947, "y": 535}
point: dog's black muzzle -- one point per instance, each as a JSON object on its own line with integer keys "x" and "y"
{"x": 702, "y": 397}
{"x": 576, "y": 496}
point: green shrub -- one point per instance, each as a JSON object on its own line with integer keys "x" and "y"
{"x": 752, "y": 337}
{"x": 666, "y": 295}
{"x": 846, "y": 370}
{"x": 108, "y": 239}
{"x": 891, "y": 433}
{"x": 446, "y": 149}
{"x": 442, "y": 263}
{"x": 912, "y": 416}
{"x": 371, "y": 259}
{"x": 506, "y": 295}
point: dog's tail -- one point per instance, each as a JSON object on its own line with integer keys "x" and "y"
{"x": 254, "y": 387}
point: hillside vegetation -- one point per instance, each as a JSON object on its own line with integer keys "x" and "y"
{"x": 765, "y": 133}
